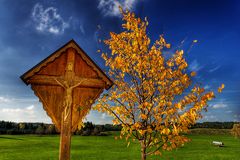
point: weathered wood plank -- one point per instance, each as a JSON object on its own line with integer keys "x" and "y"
{"x": 65, "y": 136}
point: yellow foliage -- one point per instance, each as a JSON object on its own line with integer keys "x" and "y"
{"x": 235, "y": 131}
{"x": 146, "y": 83}
{"x": 221, "y": 88}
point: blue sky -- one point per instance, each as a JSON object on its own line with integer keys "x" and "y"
{"x": 31, "y": 30}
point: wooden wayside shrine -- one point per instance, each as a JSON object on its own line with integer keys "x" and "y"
{"x": 67, "y": 83}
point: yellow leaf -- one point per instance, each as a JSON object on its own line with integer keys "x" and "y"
{"x": 149, "y": 130}
{"x": 193, "y": 74}
{"x": 143, "y": 116}
{"x": 158, "y": 153}
{"x": 221, "y": 88}
{"x": 168, "y": 45}
{"x": 165, "y": 131}
{"x": 164, "y": 147}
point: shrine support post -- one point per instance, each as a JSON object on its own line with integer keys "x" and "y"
{"x": 65, "y": 137}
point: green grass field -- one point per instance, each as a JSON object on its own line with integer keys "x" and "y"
{"x": 31, "y": 147}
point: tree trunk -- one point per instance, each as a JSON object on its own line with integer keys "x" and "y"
{"x": 143, "y": 151}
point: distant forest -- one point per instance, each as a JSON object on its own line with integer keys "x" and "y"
{"x": 88, "y": 129}
{"x": 43, "y": 128}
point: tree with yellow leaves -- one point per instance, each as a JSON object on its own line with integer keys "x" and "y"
{"x": 235, "y": 131}
{"x": 149, "y": 97}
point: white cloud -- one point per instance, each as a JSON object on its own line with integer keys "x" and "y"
{"x": 30, "y": 107}
{"x": 210, "y": 118}
{"x": 22, "y": 109}
{"x": 12, "y": 100}
{"x": 82, "y": 29}
{"x": 48, "y": 20}
{"x": 236, "y": 116}
{"x": 98, "y": 118}
{"x": 111, "y": 7}
{"x": 219, "y": 105}
{"x": 214, "y": 69}
{"x": 103, "y": 116}
{"x": 18, "y": 114}
{"x": 229, "y": 111}
{"x": 4, "y": 100}
{"x": 207, "y": 87}
{"x": 195, "y": 66}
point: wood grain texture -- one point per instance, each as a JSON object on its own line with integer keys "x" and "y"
{"x": 57, "y": 60}
{"x": 53, "y": 95}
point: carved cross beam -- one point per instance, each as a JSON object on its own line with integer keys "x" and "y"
{"x": 51, "y": 80}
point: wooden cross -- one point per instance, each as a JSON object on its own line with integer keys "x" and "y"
{"x": 68, "y": 81}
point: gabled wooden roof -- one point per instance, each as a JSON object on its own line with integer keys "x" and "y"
{"x": 57, "y": 53}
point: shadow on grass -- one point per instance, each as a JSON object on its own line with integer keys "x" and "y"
{"x": 11, "y": 138}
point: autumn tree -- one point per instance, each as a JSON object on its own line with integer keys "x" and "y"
{"x": 235, "y": 131}
{"x": 153, "y": 97}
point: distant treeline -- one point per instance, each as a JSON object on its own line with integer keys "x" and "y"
{"x": 214, "y": 125}
{"x": 88, "y": 129}
{"x": 42, "y": 128}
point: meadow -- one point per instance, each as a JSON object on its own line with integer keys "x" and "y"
{"x": 33, "y": 147}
